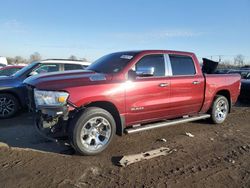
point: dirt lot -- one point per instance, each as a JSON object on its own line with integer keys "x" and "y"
{"x": 217, "y": 156}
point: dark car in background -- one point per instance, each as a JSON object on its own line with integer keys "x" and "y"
{"x": 243, "y": 73}
{"x": 10, "y": 70}
{"x": 245, "y": 88}
{"x": 245, "y": 83}
{"x": 13, "y": 93}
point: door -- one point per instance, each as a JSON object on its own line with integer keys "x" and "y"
{"x": 147, "y": 97}
{"x": 187, "y": 87}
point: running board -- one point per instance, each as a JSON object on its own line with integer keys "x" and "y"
{"x": 165, "y": 124}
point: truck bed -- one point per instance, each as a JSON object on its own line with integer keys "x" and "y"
{"x": 228, "y": 83}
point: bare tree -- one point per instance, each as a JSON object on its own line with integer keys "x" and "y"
{"x": 19, "y": 60}
{"x": 239, "y": 60}
{"x": 11, "y": 60}
{"x": 35, "y": 57}
{"x": 84, "y": 59}
{"x": 72, "y": 57}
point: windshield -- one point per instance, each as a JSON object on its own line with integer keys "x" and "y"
{"x": 24, "y": 69}
{"x": 112, "y": 63}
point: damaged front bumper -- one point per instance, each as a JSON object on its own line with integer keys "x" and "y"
{"x": 52, "y": 121}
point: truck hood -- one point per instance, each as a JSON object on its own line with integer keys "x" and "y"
{"x": 63, "y": 80}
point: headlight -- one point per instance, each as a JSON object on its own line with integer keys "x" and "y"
{"x": 50, "y": 98}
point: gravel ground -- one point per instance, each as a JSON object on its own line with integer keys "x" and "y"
{"x": 217, "y": 156}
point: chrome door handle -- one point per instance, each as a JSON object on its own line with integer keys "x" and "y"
{"x": 196, "y": 82}
{"x": 163, "y": 84}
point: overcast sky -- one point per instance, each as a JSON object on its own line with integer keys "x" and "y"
{"x": 58, "y": 29}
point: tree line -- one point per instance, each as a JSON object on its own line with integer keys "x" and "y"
{"x": 36, "y": 56}
{"x": 237, "y": 61}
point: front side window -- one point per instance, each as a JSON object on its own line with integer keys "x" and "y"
{"x": 182, "y": 65}
{"x": 45, "y": 68}
{"x": 155, "y": 62}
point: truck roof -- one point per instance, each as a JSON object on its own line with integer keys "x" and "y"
{"x": 160, "y": 51}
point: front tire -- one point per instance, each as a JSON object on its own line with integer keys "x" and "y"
{"x": 219, "y": 109}
{"x": 92, "y": 131}
{"x": 8, "y": 105}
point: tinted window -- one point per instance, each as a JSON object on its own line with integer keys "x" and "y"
{"x": 12, "y": 71}
{"x": 152, "y": 61}
{"x": 3, "y": 72}
{"x": 112, "y": 63}
{"x": 45, "y": 68}
{"x": 72, "y": 67}
{"x": 27, "y": 69}
{"x": 8, "y": 72}
{"x": 182, "y": 65}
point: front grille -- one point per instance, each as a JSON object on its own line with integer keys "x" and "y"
{"x": 31, "y": 100}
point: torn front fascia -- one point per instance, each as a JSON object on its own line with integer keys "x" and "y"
{"x": 52, "y": 121}
{"x": 53, "y": 112}
{"x": 50, "y": 116}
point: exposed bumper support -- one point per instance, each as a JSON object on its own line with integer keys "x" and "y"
{"x": 52, "y": 122}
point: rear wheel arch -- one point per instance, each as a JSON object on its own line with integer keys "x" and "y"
{"x": 219, "y": 109}
{"x": 226, "y": 94}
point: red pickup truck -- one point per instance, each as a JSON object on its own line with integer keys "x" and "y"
{"x": 127, "y": 92}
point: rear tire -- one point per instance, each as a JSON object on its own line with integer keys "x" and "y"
{"x": 219, "y": 109}
{"x": 9, "y": 106}
{"x": 92, "y": 131}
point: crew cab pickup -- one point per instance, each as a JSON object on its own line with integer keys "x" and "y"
{"x": 127, "y": 92}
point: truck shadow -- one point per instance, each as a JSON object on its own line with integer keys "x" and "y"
{"x": 239, "y": 104}
{"x": 20, "y": 132}
{"x": 242, "y": 104}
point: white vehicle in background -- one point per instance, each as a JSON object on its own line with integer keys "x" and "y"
{"x": 14, "y": 93}
{"x": 3, "y": 61}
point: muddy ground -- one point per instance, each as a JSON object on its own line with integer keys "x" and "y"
{"x": 217, "y": 156}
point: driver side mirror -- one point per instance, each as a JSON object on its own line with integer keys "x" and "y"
{"x": 131, "y": 74}
{"x": 145, "y": 71}
{"x": 141, "y": 72}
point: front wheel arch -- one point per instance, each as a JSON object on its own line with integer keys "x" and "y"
{"x": 78, "y": 122}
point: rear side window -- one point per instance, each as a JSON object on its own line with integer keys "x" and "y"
{"x": 72, "y": 67}
{"x": 152, "y": 61}
{"x": 182, "y": 65}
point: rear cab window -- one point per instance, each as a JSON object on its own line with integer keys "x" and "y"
{"x": 182, "y": 65}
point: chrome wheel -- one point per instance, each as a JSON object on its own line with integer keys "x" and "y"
{"x": 95, "y": 133}
{"x": 221, "y": 110}
{"x": 7, "y": 106}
